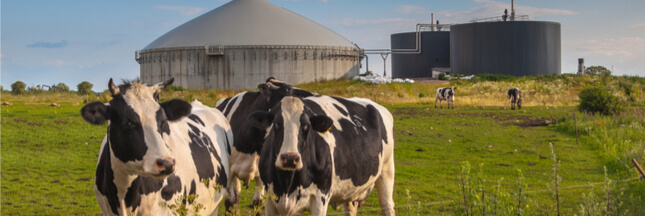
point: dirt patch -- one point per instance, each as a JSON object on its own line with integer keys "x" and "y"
{"x": 430, "y": 81}
{"x": 534, "y": 122}
{"x": 58, "y": 121}
{"x": 34, "y": 124}
{"x": 19, "y": 120}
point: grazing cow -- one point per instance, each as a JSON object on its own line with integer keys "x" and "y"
{"x": 248, "y": 139}
{"x": 324, "y": 150}
{"x": 445, "y": 94}
{"x": 515, "y": 95}
{"x": 153, "y": 158}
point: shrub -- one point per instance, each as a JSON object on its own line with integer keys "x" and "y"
{"x": 60, "y": 87}
{"x": 85, "y": 87}
{"x": 18, "y": 88}
{"x": 442, "y": 77}
{"x": 597, "y": 99}
{"x": 174, "y": 88}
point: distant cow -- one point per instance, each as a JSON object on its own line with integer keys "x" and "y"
{"x": 325, "y": 150}
{"x": 515, "y": 95}
{"x": 249, "y": 139}
{"x": 445, "y": 94}
{"x": 155, "y": 155}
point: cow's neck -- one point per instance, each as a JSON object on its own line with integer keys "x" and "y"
{"x": 122, "y": 180}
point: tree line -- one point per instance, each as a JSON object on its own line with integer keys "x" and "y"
{"x": 19, "y": 88}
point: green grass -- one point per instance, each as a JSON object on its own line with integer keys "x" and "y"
{"x": 49, "y": 154}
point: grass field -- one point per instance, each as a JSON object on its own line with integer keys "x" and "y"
{"x": 48, "y": 154}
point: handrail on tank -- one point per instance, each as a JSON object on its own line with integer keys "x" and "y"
{"x": 499, "y": 18}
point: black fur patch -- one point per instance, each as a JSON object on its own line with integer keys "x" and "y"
{"x": 125, "y": 131}
{"x": 196, "y": 119}
{"x": 105, "y": 179}
{"x": 138, "y": 187}
{"x": 173, "y": 186}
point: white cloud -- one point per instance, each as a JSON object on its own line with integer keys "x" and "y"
{"x": 411, "y": 9}
{"x": 182, "y": 10}
{"x": 623, "y": 47}
{"x": 638, "y": 25}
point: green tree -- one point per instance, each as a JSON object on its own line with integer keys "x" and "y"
{"x": 597, "y": 99}
{"x": 18, "y": 88}
{"x": 61, "y": 87}
{"x": 85, "y": 87}
{"x": 597, "y": 70}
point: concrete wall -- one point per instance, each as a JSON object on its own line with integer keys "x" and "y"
{"x": 435, "y": 52}
{"x": 244, "y": 67}
{"x": 517, "y": 48}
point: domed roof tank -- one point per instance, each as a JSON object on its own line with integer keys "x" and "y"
{"x": 250, "y": 22}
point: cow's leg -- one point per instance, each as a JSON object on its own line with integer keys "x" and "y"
{"x": 233, "y": 192}
{"x": 385, "y": 188}
{"x": 435, "y": 102}
{"x": 259, "y": 192}
{"x": 269, "y": 208}
{"x": 318, "y": 204}
{"x": 350, "y": 208}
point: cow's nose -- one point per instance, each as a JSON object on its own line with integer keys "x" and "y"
{"x": 290, "y": 160}
{"x": 165, "y": 166}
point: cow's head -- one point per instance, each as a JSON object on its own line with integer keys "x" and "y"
{"x": 451, "y": 94}
{"x": 274, "y": 90}
{"x": 291, "y": 130}
{"x": 137, "y": 123}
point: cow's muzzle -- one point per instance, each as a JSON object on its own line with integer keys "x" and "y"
{"x": 165, "y": 166}
{"x": 290, "y": 161}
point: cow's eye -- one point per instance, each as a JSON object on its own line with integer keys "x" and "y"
{"x": 131, "y": 124}
{"x": 305, "y": 128}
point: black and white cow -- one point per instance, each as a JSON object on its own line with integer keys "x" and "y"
{"x": 324, "y": 150}
{"x": 445, "y": 94}
{"x": 158, "y": 154}
{"x": 515, "y": 95}
{"x": 249, "y": 139}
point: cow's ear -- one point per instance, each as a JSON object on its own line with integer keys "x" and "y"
{"x": 264, "y": 90}
{"x": 176, "y": 109}
{"x": 321, "y": 123}
{"x": 95, "y": 112}
{"x": 453, "y": 88}
{"x": 260, "y": 119}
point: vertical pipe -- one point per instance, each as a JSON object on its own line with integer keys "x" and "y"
{"x": 432, "y": 23}
{"x": 512, "y": 10}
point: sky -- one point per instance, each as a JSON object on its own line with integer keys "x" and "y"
{"x": 70, "y": 41}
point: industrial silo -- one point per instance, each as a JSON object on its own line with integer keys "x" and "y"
{"x": 518, "y": 48}
{"x": 434, "y": 52}
{"x": 241, "y": 43}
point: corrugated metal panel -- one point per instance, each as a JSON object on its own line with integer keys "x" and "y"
{"x": 514, "y": 48}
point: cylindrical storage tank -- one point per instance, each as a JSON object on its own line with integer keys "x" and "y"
{"x": 242, "y": 43}
{"x": 519, "y": 48}
{"x": 435, "y": 52}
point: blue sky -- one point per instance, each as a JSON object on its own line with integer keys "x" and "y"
{"x": 47, "y": 42}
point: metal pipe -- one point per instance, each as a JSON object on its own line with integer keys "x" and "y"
{"x": 367, "y": 63}
{"x": 432, "y": 21}
{"x": 512, "y": 10}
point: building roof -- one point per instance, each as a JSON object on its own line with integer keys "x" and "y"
{"x": 249, "y": 22}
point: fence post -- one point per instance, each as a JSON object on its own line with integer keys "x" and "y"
{"x": 575, "y": 122}
{"x": 638, "y": 166}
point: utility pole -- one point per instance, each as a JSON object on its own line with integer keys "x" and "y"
{"x": 384, "y": 56}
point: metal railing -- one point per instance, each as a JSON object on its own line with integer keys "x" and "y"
{"x": 500, "y": 18}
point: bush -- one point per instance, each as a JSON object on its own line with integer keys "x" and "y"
{"x": 494, "y": 77}
{"x": 597, "y": 99}
{"x": 174, "y": 88}
{"x": 85, "y": 88}
{"x": 442, "y": 77}
{"x": 60, "y": 87}
{"x": 18, "y": 88}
